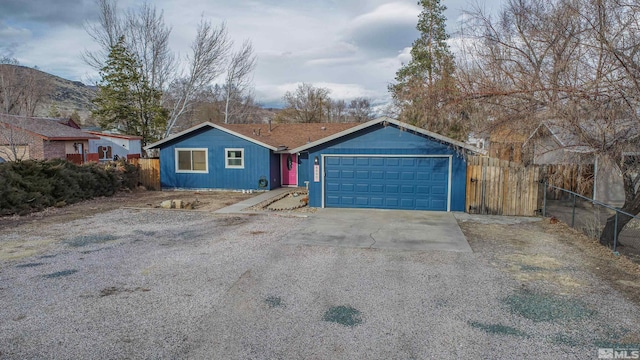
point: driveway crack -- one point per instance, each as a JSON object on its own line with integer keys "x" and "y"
{"x": 372, "y": 238}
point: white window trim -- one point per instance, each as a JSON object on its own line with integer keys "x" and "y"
{"x": 206, "y": 164}
{"x": 226, "y": 158}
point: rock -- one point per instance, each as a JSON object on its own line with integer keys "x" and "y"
{"x": 188, "y": 206}
{"x": 177, "y": 204}
{"x": 166, "y": 204}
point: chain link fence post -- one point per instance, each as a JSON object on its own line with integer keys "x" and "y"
{"x": 615, "y": 233}
{"x": 573, "y": 215}
{"x": 544, "y": 200}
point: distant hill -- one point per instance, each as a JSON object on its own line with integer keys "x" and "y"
{"x": 68, "y": 96}
{"x": 65, "y": 94}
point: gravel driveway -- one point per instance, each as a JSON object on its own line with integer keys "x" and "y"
{"x": 169, "y": 284}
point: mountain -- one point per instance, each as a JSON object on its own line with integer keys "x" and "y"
{"x": 67, "y": 96}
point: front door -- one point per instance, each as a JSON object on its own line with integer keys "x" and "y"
{"x": 289, "y": 163}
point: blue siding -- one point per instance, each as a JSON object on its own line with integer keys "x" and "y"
{"x": 257, "y": 161}
{"x": 388, "y": 140}
{"x": 276, "y": 176}
{"x": 303, "y": 171}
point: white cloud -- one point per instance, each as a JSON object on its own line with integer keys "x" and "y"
{"x": 353, "y": 47}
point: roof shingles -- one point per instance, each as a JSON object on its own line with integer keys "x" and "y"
{"x": 289, "y": 135}
{"x": 49, "y": 129}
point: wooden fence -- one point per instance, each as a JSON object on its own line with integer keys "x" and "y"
{"x": 149, "y": 172}
{"x": 500, "y": 187}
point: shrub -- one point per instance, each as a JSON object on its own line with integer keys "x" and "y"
{"x": 33, "y": 185}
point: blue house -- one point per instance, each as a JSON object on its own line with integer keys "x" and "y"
{"x": 382, "y": 163}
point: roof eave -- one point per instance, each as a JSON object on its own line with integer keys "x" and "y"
{"x": 392, "y": 121}
{"x": 211, "y": 125}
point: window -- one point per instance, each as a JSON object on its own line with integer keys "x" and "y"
{"x": 234, "y": 158}
{"x": 104, "y": 152}
{"x": 191, "y": 160}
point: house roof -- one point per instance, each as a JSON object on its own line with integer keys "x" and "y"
{"x": 46, "y": 128}
{"x": 292, "y": 138}
{"x": 115, "y": 136}
{"x": 387, "y": 120}
{"x": 624, "y": 130}
{"x": 281, "y": 136}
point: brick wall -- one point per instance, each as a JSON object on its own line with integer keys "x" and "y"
{"x": 54, "y": 150}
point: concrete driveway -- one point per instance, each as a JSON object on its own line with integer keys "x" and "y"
{"x": 383, "y": 229}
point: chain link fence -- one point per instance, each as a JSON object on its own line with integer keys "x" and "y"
{"x": 591, "y": 216}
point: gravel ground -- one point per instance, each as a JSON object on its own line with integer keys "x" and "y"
{"x": 166, "y": 284}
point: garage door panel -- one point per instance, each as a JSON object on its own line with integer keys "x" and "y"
{"x": 407, "y": 189}
{"x": 438, "y": 190}
{"x": 377, "y": 174}
{"x": 377, "y": 188}
{"x": 392, "y": 175}
{"x": 362, "y": 188}
{"x": 347, "y": 187}
{"x": 363, "y": 174}
{"x": 392, "y": 189}
{"x": 407, "y": 203}
{"x": 377, "y": 162}
{"x": 419, "y": 183}
{"x": 406, "y": 175}
{"x": 347, "y": 174}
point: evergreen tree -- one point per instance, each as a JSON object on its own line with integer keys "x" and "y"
{"x": 115, "y": 101}
{"x": 424, "y": 85}
{"x": 125, "y": 99}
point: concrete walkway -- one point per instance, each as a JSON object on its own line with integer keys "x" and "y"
{"x": 383, "y": 229}
{"x": 239, "y": 207}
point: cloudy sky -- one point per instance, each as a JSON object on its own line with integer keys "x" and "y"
{"x": 352, "y": 47}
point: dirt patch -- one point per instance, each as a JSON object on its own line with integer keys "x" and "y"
{"x": 553, "y": 256}
{"x": 207, "y": 201}
{"x": 18, "y": 249}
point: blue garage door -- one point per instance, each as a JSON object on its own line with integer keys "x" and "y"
{"x": 409, "y": 183}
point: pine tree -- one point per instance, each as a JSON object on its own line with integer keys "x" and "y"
{"x": 425, "y": 84}
{"x": 115, "y": 101}
{"x": 125, "y": 99}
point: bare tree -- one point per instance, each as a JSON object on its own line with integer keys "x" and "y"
{"x": 360, "y": 110}
{"x": 14, "y": 145}
{"x": 105, "y": 33}
{"x": 21, "y": 89}
{"x": 147, "y": 37}
{"x": 337, "y": 111}
{"x": 306, "y": 104}
{"x": 574, "y": 62}
{"x": 10, "y": 90}
{"x": 238, "y": 78}
{"x": 35, "y": 86}
{"x": 206, "y": 63}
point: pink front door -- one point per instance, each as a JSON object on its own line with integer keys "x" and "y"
{"x": 289, "y": 163}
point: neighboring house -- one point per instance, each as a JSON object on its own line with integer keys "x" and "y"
{"x": 553, "y": 144}
{"x": 24, "y": 138}
{"x": 382, "y": 163}
{"x": 113, "y": 146}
